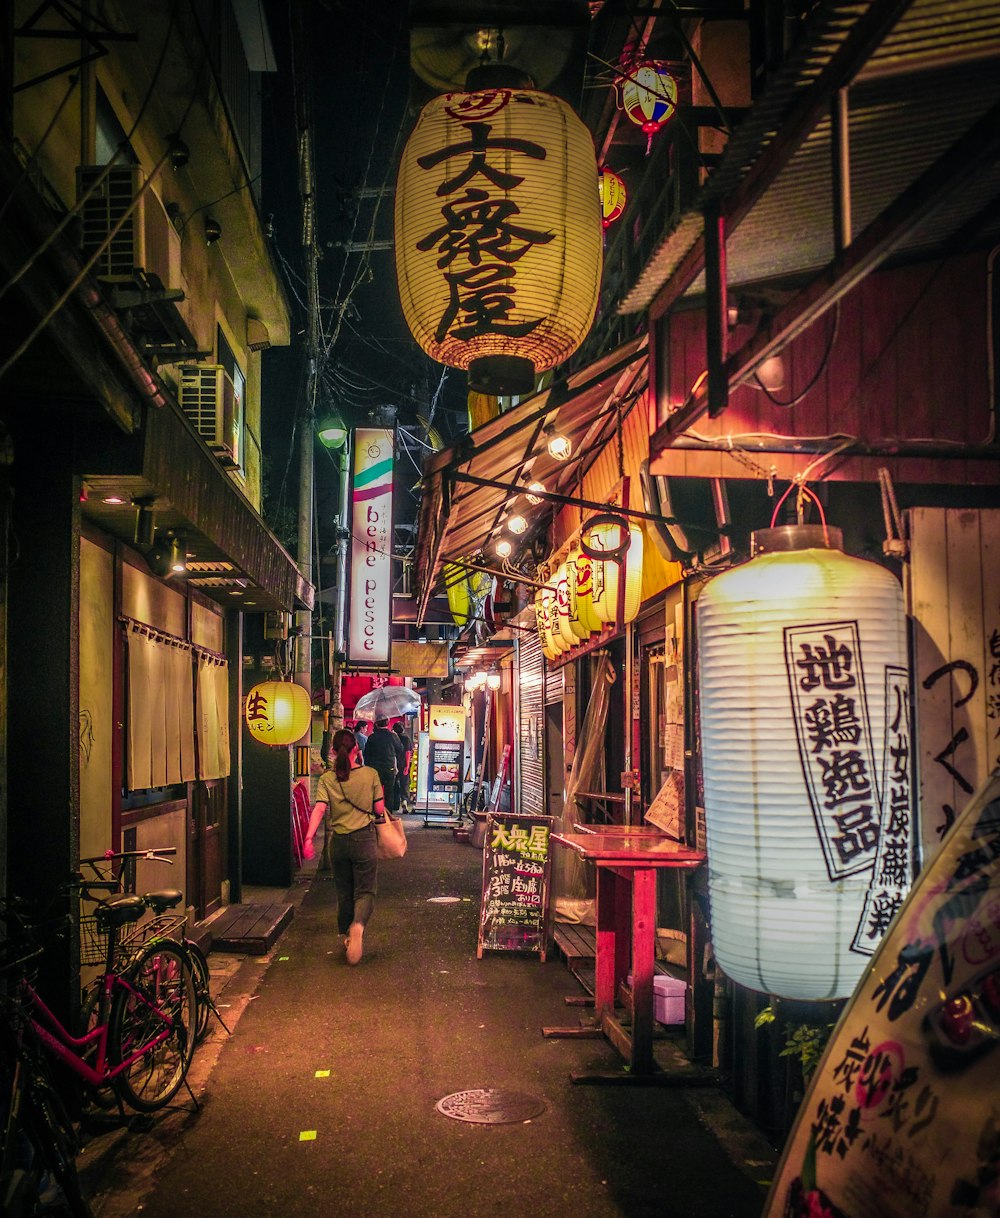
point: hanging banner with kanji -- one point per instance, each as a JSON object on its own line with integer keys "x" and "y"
{"x": 901, "y": 1116}
{"x": 516, "y": 862}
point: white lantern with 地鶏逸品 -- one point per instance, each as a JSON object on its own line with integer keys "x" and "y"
{"x": 498, "y": 236}
{"x": 278, "y": 712}
{"x": 805, "y": 736}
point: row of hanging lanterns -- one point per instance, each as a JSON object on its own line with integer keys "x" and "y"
{"x": 599, "y": 583}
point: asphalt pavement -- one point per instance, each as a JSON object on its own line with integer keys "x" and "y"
{"x": 322, "y": 1100}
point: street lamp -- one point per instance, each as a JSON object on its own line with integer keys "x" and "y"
{"x": 332, "y": 431}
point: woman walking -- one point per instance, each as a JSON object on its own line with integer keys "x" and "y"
{"x": 349, "y": 796}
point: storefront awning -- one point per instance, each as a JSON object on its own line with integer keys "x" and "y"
{"x": 466, "y": 487}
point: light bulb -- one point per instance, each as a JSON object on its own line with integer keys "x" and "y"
{"x": 534, "y": 486}
{"x": 504, "y": 548}
{"x": 517, "y": 523}
{"x": 493, "y": 680}
{"x": 559, "y": 447}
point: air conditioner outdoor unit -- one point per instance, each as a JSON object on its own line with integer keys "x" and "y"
{"x": 208, "y": 398}
{"x": 147, "y": 240}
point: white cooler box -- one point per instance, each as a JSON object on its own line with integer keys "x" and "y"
{"x": 668, "y": 998}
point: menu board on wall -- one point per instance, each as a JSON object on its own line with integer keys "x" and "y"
{"x": 901, "y": 1117}
{"x": 516, "y": 862}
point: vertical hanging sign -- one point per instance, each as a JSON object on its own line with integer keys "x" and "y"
{"x": 370, "y": 616}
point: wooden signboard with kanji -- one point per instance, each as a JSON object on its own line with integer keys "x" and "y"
{"x": 516, "y": 867}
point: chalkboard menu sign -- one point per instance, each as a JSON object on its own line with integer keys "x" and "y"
{"x": 516, "y": 852}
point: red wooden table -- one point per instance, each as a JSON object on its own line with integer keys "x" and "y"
{"x": 627, "y": 861}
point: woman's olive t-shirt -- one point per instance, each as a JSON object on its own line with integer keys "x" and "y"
{"x": 361, "y": 787}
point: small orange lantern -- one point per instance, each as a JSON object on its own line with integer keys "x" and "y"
{"x": 278, "y": 712}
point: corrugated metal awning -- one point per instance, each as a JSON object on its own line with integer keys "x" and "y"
{"x": 879, "y": 138}
{"x": 919, "y": 75}
{"x": 466, "y": 488}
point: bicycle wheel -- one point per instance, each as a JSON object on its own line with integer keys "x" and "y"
{"x": 158, "y": 987}
{"x": 202, "y": 986}
{"x": 52, "y": 1134}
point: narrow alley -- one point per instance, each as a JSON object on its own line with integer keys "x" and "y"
{"x": 323, "y": 1099}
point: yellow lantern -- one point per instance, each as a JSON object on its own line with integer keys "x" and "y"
{"x": 278, "y": 712}
{"x": 544, "y": 633}
{"x": 562, "y": 607}
{"x": 582, "y": 594}
{"x": 456, "y": 582}
{"x": 614, "y": 547}
{"x": 648, "y": 94}
{"x": 613, "y": 196}
{"x": 498, "y": 237}
{"x": 550, "y": 608}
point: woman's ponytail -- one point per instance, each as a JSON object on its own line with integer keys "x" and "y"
{"x": 343, "y": 743}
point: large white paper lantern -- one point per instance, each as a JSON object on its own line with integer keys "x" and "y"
{"x": 805, "y": 732}
{"x": 498, "y": 235}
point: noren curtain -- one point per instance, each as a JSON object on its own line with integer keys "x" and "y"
{"x": 213, "y": 716}
{"x": 160, "y": 745}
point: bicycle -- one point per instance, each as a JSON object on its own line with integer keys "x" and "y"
{"x": 37, "y": 1137}
{"x": 142, "y": 1035}
{"x": 162, "y": 925}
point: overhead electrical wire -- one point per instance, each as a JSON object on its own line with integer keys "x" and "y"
{"x": 74, "y": 210}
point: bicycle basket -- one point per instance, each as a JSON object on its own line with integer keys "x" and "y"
{"x": 93, "y": 941}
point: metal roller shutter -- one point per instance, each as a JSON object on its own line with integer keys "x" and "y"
{"x": 530, "y": 706}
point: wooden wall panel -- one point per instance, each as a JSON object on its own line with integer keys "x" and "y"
{"x": 953, "y": 598}
{"x": 909, "y": 362}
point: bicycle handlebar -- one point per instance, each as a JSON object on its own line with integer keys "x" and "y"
{"x": 157, "y": 854}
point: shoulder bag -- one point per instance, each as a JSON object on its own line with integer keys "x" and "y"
{"x": 390, "y": 832}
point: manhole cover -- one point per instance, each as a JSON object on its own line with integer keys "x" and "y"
{"x": 490, "y": 1106}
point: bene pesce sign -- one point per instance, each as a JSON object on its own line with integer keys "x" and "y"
{"x": 370, "y": 613}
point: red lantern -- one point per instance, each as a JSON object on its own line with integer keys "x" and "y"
{"x": 647, "y": 91}
{"x": 613, "y": 196}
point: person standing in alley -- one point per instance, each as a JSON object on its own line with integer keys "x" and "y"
{"x": 381, "y": 753}
{"x": 349, "y": 798}
{"x": 361, "y": 729}
{"x": 404, "y": 753}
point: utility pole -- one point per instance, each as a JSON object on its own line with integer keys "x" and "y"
{"x": 307, "y": 415}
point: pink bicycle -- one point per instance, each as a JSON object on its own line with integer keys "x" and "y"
{"x": 141, "y": 1032}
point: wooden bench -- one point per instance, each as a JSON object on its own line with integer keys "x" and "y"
{"x": 249, "y": 928}
{"x": 578, "y": 944}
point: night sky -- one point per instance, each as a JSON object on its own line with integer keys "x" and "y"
{"x": 359, "y": 80}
